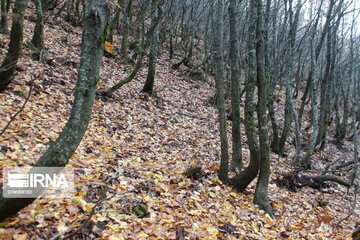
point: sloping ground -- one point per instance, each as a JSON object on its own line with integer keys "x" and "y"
{"x": 139, "y": 147}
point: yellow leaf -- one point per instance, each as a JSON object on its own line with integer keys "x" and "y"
{"x": 10, "y": 222}
{"x": 61, "y": 228}
{"x": 114, "y": 237}
{"x": 194, "y": 212}
{"x": 20, "y": 236}
{"x": 143, "y": 235}
{"x": 108, "y": 47}
{"x": 115, "y": 228}
{"x": 100, "y": 217}
{"x": 212, "y": 231}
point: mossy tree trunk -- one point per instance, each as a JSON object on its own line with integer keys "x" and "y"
{"x": 37, "y": 40}
{"x": 7, "y": 68}
{"x": 5, "y": 6}
{"x": 58, "y": 154}
{"x": 235, "y": 89}
{"x": 290, "y": 113}
{"x": 261, "y": 195}
{"x": 245, "y": 177}
{"x": 218, "y": 52}
{"x": 126, "y": 28}
{"x": 149, "y": 83}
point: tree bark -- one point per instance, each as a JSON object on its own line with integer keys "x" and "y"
{"x": 4, "y": 19}
{"x": 38, "y": 37}
{"x": 244, "y": 178}
{"x": 58, "y": 154}
{"x": 218, "y": 51}
{"x": 126, "y": 28}
{"x": 235, "y": 89}
{"x": 149, "y": 83}
{"x": 7, "y": 68}
{"x": 261, "y": 195}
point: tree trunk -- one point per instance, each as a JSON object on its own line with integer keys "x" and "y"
{"x": 7, "y": 68}
{"x": 3, "y": 19}
{"x": 261, "y": 195}
{"x": 218, "y": 51}
{"x": 149, "y": 83}
{"x": 244, "y": 178}
{"x": 58, "y": 154}
{"x": 38, "y": 37}
{"x": 126, "y": 28}
{"x": 235, "y": 90}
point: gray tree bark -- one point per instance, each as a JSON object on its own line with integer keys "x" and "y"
{"x": 261, "y": 196}
{"x": 58, "y": 154}
{"x": 7, "y": 68}
{"x": 235, "y": 89}
{"x": 149, "y": 83}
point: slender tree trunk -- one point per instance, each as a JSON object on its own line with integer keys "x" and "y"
{"x": 7, "y": 68}
{"x": 235, "y": 89}
{"x": 289, "y": 104}
{"x": 58, "y": 154}
{"x": 244, "y": 178}
{"x": 314, "y": 113}
{"x": 261, "y": 195}
{"x": 38, "y": 37}
{"x": 3, "y": 19}
{"x": 126, "y": 28}
{"x": 218, "y": 51}
{"x": 149, "y": 83}
{"x": 356, "y": 144}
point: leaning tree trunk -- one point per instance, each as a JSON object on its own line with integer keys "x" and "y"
{"x": 7, "y": 68}
{"x": 58, "y": 154}
{"x": 149, "y": 83}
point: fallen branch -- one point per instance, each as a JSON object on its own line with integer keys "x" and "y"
{"x": 102, "y": 199}
{"x": 329, "y": 178}
{"x": 293, "y": 182}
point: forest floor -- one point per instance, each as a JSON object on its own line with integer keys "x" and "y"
{"x": 140, "y": 147}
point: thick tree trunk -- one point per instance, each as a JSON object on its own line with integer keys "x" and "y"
{"x": 235, "y": 90}
{"x": 7, "y": 68}
{"x": 58, "y": 154}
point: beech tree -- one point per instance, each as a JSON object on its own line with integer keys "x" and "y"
{"x": 149, "y": 83}
{"x": 218, "y": 52}
{"x": 7, "y": 67}
{"x": 58, "y": 154}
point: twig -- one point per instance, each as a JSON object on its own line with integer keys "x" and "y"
{"x": 32, "y": 80}
{"x": 102, "y": 198}
{"x": 352, "y": 209}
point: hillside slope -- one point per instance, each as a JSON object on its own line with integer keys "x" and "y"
{"x": 140, "y": 147}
